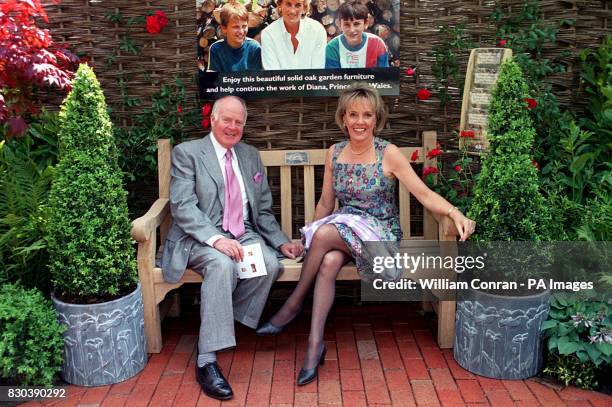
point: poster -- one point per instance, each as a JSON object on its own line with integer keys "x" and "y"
{"x": 296, "y": 48}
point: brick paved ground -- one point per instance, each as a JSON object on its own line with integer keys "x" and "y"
{"x": 377, "y": 355}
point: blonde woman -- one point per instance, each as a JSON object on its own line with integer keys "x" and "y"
{"x": 294, "y": 41}
{"x": 362, "y": 172}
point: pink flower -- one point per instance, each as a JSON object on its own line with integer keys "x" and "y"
{"x": 429, "y": 170}
{"x": 501, "y": 43}
{"x": 423, "y": 94}
{"x": 205, "y": 123}
{"x": 257, "y": 178}
{"x": 415, "y": 155}
{"x": 467, "y": 133}
{"x": 179, "y": 109}
{"x": 531, "y": 103}
{"x": 410, "y": 71}
{"x": 458, "y": 168}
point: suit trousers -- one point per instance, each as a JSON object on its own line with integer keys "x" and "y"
{"x": 224, "y": 298}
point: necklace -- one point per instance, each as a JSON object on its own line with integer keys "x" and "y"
{"x": 361, "y": 152}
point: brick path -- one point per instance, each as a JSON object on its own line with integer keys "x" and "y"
{"x": 377, "y": 355}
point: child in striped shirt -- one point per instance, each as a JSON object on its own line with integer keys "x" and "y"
{"x": 355, "y": 48}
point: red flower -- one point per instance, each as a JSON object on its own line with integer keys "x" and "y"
{"x": 161, "y": 18}
{"x": 156, "y": 22}
{"x": 152, "y": 25}
{"x": 179, "y": 109}
{"x": 410, "y": 71}
{"x": 467, "y": 133}
{"x": 535, "y": 164}
{"x": 531, "y": 103}
{"x": 415, "y": 155}
{"x": 429, "y": 170}
{"x": 434, "y": 153}
{"x": 458, "y": 168}
{"x": 205, "y": 123}
{"x": 206, "y": 109}
{"x": 501, "y": 43}
{"x": 423, "y": 94}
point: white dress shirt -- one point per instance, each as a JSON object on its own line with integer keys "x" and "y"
{"x": 220, "y": 153}
{"x": 277, "y": 49}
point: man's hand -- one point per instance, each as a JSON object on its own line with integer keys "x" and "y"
{"x": 292, "y": 250}
{"x": 231, "y": 248}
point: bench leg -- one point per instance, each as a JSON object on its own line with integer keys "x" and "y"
{"x": 152, "y": 327}
{"x": 175, "y": 306}
{"x": 446, "y": 324}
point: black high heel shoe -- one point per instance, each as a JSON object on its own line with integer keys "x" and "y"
{"x": 269, "y": 329}
{"x": 308, "y": 375}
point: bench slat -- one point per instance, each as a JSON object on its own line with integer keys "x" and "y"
{"x": 286, "y": 224}
{"x": 404, "y": 211}
{"x": 309, "y": 194}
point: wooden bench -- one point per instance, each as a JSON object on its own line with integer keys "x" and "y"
{"x": 144, "y": 231}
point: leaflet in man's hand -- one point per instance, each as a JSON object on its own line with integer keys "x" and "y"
{"x": 252, "y": 264}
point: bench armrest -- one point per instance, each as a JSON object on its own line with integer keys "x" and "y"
{"x": 446, "y": 227}
{"x": 150, "y": 221}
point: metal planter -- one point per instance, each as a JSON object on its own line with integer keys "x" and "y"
{"x": 500, "y": 337}
{"x": 104, "y": 343}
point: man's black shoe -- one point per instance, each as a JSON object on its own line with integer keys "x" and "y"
{"x": 212, "y": 382}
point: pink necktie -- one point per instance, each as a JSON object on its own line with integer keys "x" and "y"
{"x": 232, "y": 213}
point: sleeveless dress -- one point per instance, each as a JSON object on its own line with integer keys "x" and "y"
{"x": 367, "y": 211}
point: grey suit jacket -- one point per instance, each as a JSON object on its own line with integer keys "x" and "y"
{"x": 197, "y": 197}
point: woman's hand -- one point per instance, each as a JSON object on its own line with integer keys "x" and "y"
{"x": 464, "y": 225}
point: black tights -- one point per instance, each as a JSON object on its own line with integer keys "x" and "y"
{"x": 326, "y": 256}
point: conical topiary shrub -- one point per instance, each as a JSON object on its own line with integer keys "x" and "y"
{"x": 92, "y": 257}
{"x": 499, "y": 335}
{"x": 91, "y": 254}
{"x": 507, "y": 203}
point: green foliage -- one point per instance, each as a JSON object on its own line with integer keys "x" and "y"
{"x": 85, "y": 125}
{"x": 507, "y": 202}
{"x": 24, "y": 189}
{"x": 91, "y": 253}
{"x": 31, "y": 343}
{"x": 568, "y": 369}
{"x": 596, "y": 74}
{"x": 579, "y": 327}
{"x": 455, "y": 179}
{"x": 168, "y": 117}
{"x": 26, "y": 170}
{"x": 596, "y": 219}
{"x": 454, "y": 42}
{"x": 528, "y": 36}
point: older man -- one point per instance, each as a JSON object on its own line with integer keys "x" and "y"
{"x": 220, "y": 201}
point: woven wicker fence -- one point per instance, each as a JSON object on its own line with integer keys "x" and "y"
{"x": 308, "y": 122}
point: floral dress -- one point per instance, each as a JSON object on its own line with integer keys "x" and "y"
{"x": 367, "y": 212}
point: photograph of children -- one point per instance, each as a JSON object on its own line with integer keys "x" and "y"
{"x": 380, "y": 20}
{"x": 355, "y": 48}
{"x": 235, "y": 52}
{"x": 258, "y": 48}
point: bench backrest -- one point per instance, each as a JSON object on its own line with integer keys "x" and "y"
{"x": 308, "y": 159}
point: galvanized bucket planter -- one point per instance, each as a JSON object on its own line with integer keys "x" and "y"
{"x": 500, "y": 337}
{"x": 104, "y": 343}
